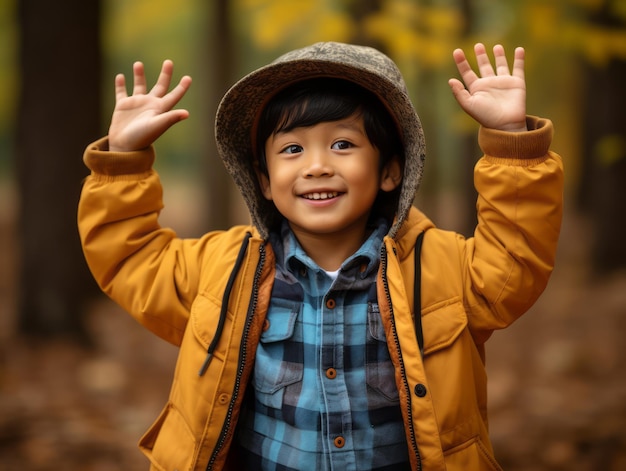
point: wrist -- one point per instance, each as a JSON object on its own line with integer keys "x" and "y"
{"x": 117, "y": 147}
{"x": 514, "y": 127}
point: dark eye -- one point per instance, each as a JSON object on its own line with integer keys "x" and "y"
{"x": 342, "y": 145}
{"x": 292, "y": 149}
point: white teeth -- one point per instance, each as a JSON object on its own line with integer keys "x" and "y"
{"x": 321, "y": 196}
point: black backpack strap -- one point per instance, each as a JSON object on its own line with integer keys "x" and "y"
{"x": 417, "y": 297}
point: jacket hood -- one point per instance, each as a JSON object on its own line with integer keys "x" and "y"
{"x": 240, "y": 108}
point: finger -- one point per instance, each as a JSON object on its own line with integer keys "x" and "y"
{"x": 120, "y": 87}
{"x": 502, "y": 66}
{"x": 456, "y": 86}
{"x": 166, "y": 120}
{"x": 165, "y": 77}
{"x": 172, "y": 98}
{"x": 460, "y": 92}
{"x": 139, "y": 78}
{"x": 464, "y": 67}
{"x": 518, "y": 62}
{"x": 482, "y": 59}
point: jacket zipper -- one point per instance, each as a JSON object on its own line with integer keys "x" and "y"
{"x": 242, "y": 355}
{"x": 383, "y": 264}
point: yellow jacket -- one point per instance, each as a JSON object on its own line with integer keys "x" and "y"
{"x": 469, "y": 288}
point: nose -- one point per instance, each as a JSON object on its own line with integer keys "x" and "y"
{"x": 317, "y": 164}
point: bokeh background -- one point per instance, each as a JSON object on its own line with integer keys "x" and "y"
{"x": 80, "y": 381}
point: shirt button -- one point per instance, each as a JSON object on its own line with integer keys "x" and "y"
{"x": 223, "y": 398}
{"x": 420, "y": 390}
{"x": 340, "y": 442}
{"x": 331, "y": 373}
{"x": 330, "y": 303}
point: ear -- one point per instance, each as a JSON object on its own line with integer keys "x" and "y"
{"x": 264, "y": 183}
{"x": 391, "y": 175}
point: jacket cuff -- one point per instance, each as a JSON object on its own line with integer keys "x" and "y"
{"x": 529, "y": 145}
{"x": 100, "y": 160}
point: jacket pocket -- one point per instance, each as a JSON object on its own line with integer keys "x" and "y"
{"x": 169, "y": 443}
{"x": 205, "y": 315}
{"x": 379, "y": 370}
{"x": 473, "y": 455}
{"x": 442, "y": 325}
{"x": 278, "y": 369}
{"x": 456, "y": 376}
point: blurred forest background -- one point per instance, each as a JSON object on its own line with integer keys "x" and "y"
{"x": 80, "y": 381}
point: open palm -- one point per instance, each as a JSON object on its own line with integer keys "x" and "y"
{"x": 139, "y": 119}
{"x": 496, "y": 98}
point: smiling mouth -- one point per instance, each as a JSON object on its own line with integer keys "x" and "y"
{"x": 324, "y": 195}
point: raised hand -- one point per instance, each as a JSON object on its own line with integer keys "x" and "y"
{"x": 139, "y": 119}
{"x": 496, "y": 98}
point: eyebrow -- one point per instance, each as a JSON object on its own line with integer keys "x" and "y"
{"x": 342, "y": 123}
{"x": 351, "y": 125}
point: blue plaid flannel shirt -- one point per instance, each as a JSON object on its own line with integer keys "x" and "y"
{"x": 324, "y": 391}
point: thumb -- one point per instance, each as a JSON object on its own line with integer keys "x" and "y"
{"x": 166, "y": 120}
{"x": 459, "y": 91}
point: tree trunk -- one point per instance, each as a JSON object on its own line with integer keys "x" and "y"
{"x": 602, "y": 193}
{"x": 58, "y": 115}
{"x": 219, "y": 73}
{"x": 359, "y": 11}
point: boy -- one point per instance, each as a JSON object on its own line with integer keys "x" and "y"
{"x": 342, "y": 329}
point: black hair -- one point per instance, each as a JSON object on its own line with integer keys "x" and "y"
{"x": 324, "y": 99}
{"x": 320, "y": 100}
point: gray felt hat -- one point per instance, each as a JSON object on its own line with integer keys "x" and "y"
{"x": 239, "y": 111}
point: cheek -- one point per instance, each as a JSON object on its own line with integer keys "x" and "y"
{"x": 280, "y": 180}
{"x": 365, "y": 177}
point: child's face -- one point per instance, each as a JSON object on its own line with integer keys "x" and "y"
{"x": 324, "y": 178}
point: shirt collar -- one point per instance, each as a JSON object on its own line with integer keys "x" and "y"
{"x": 292, "y": 257}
